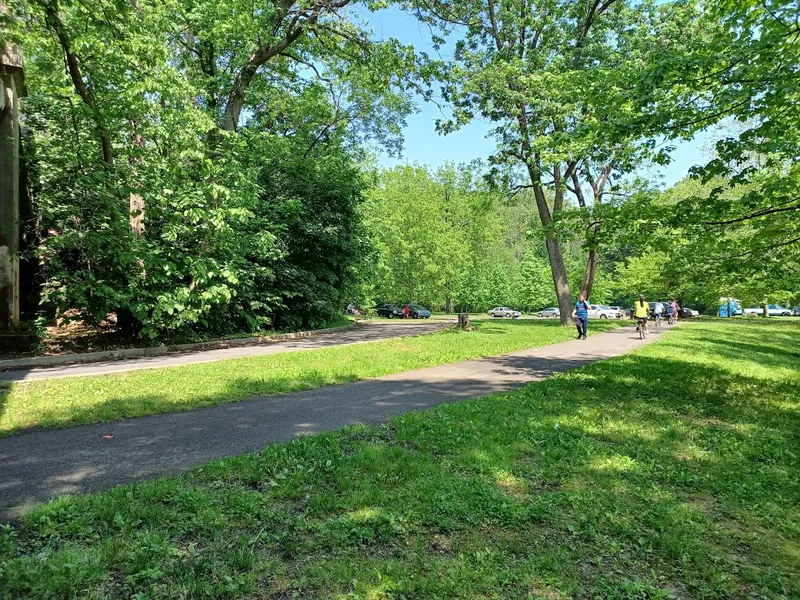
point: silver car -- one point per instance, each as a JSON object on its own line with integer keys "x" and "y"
{"x": 549, "y": 312}
{"x": 600, "y": 311}
{"x": 504, "y": 311}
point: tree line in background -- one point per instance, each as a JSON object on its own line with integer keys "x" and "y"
{"x": 207, "y": 166}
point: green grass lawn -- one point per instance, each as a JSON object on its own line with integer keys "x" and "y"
{"x": 671, "y": 472}
{"x": 80, "y": 400}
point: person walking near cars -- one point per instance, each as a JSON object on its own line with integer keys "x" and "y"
{"x": 658, "y": 312}
{"x": 581, "y": 314}
{"x": 406, "y": 311}
{"x": 675, "y": 310}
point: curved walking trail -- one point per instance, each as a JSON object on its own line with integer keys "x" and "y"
{"x": 40, "y": 464}
{"x": 358, "y": 334}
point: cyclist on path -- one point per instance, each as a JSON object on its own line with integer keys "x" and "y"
{"x": 641, "y": 310}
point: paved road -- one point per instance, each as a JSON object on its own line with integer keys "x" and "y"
{"x": 368, "y": 332}
{"x": 38, "y": 465}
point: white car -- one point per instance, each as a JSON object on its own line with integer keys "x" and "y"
{"x": 773, "y": 310}
{"x": 600, "y": 311}
{"x": 504, "y": 311}
{"x": 549, "y": 312}
{"x": 614, "y": 311}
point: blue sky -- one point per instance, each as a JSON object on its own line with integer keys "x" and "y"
{"x": 423, "y": 144}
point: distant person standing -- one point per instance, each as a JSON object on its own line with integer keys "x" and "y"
{"x": 406, "y": 311}
{"x": 581, "y": 315}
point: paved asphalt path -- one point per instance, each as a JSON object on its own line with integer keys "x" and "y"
{"x": 40, "y": 464}
{"x": 368, "y": 332}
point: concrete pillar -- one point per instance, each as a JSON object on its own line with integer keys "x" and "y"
{"x": 12, "y": 87}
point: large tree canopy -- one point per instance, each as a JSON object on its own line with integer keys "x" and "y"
{"x": 195, "y": 163}
{"x": 547, "y": 76}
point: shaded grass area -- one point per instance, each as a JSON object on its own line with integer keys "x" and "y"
{"x": 81, "y": 400}
{"x": 78, "y": 337}
{"x": 671, "y": 472}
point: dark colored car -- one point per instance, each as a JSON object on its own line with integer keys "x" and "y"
{"x": 417, "y": 312}
{"x": 390, "y": 311}
{"x": 796, "y": 311}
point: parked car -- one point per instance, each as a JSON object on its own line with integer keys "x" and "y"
{"x": 600, "y": 311}
{"x": 773, "y": 310}
{"x": 616, "y": 311}
{"x": 390, "y": 311}
{"x": 687, "y": 313}
{"x": 549, "y": 312}
{"x": 416, "y": 311}
{"x": 796, "y": 311}
{"x": 504, "y": 311}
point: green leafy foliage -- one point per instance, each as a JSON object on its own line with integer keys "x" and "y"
{"x": 196, "y": 166}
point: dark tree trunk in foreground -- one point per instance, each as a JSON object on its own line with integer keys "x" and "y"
{"x": 589, "y": 272}
{"x": 554, "y": 253}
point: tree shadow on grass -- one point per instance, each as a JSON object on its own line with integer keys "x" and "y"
{"x": 638, "y": 477}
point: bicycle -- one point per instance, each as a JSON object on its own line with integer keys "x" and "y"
{"x": 672, "y": 319}
{"x": 641, "y": 328}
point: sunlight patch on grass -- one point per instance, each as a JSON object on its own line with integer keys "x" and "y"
{"x": 80, "y": 400}
{"x": 483, "y": 499}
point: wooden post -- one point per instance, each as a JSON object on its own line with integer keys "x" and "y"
{"x": 463, "y": 320}
{"x": 12, "y": 87}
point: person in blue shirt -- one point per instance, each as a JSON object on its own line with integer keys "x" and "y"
{"x": 581, "y": 314}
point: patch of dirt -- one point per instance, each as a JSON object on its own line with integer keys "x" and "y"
{"x": 704, "y": 502}
{"x": 542, "y": 485}
{"x": 74, "y": 337}
{"x": 440, "y": 544}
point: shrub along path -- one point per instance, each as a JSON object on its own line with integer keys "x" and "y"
{"x": 37, "y": 465}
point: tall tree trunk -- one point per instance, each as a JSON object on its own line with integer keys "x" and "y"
{"x": 588, "y": 274}
{"x": 136, "y": 202}
{"x": 559, "y": 272}
{"x": 598, "y": 185}
{"x": 235, "y": 101}
{"x": 78, "y": 81}
{"x": 554, "y": 253}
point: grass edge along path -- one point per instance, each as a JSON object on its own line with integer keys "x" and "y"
{"x": 93, "y": 399}
{"x": 668, "y": 473}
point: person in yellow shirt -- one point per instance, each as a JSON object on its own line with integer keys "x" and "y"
{"x": 641, "y": 311}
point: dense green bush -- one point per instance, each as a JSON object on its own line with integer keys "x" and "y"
{"x": 198, "y": 165}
